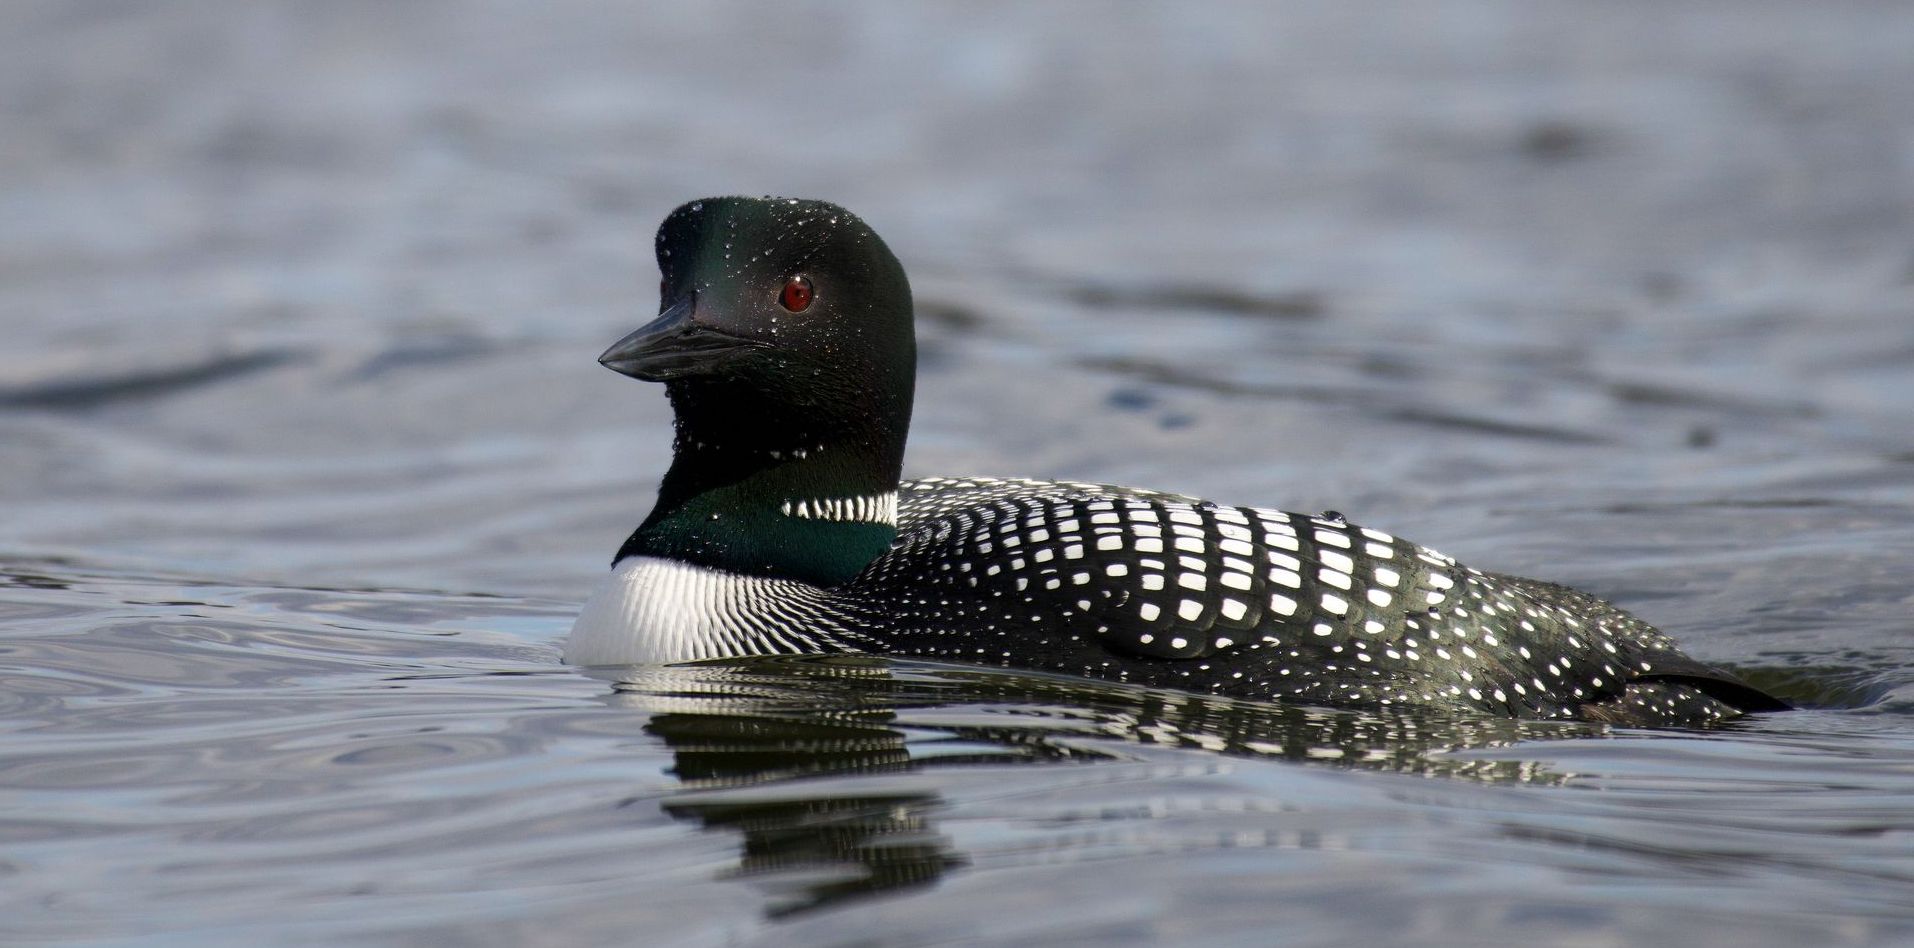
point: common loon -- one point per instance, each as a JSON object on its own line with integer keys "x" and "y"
{"x": 786, "y": 347}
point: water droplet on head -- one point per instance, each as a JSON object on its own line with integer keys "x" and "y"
{"x": 698, "y": 206}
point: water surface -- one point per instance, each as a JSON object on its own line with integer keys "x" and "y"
{"x": 305, "y": 464}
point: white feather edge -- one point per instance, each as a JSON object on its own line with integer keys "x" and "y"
{"x": 657, "y": 611}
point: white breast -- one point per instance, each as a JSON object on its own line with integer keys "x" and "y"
{"x": 658, "y": 611}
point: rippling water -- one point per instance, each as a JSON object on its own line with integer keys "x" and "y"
{"x": 305, "y": 465}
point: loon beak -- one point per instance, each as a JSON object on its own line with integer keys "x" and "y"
{"x": 674, "y": 345}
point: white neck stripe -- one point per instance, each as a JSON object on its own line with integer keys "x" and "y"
{"x": 881, "y": 508}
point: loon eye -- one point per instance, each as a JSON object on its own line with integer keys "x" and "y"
{"x": 797, "y": 294}
{"x": 664, "y": 288}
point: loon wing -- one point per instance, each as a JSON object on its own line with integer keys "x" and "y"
{"x": 1147, "y": 586}
{"x": 1242, "y": 600}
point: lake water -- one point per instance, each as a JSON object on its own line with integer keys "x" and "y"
{"x": 305, "y": 464}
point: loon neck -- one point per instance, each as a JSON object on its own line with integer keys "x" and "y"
{"x": 760, "y": 490}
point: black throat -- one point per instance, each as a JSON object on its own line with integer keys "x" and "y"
{"x": 757, "y": 489}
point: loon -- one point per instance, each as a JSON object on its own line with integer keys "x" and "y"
{"x": 786, "y": 347}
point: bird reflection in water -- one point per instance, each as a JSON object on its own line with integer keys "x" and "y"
{"x": 825, "y": 765}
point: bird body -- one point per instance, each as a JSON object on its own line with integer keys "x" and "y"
{"x": 786, "y": 346}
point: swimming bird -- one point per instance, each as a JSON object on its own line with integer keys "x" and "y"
{"x": 786, "y": 347}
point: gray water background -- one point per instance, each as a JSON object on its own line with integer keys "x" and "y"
{"x": 305, "y": 462}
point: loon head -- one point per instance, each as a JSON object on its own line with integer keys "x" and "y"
{"x": 779, "y": 302}
{"x": 785, "y": 343}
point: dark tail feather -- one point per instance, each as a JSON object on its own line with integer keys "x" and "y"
{"x": 1715, "y": 683}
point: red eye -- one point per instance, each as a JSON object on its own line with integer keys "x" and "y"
{"x": 797, "y": 294}
{"x": 664, "y": 287}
